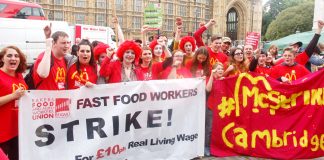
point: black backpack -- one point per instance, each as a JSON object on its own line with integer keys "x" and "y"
{"x": 29, "y": 77}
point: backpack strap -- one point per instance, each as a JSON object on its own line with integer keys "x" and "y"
{"x": 70, "y": 60}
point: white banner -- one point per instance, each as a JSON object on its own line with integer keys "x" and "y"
{"x": 162, "y": 119}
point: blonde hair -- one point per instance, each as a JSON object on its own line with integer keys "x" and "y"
{"x": 218, "y": 64}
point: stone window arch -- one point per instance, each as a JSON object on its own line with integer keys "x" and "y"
{"x": 232, "y": 24}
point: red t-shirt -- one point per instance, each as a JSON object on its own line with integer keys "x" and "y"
{"x": 147, "y": 72}
{"x": 262, "y": 70}
{"x": 199, "y": 71}
{"x": 114, "y": 72}
{"x": 217, "y": 57}
{"x": 214, "y": 94}
{"x": 291, "y": 72}
{"x": 182, "y": 72}
{"x": 301, "y": 58}
{"x": 157, "y": 69}
{"x": 56, "y": 79}
{"x": 9, "y": 111}
{"x": 76, "y": 80}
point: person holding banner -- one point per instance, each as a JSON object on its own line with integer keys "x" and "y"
{"x": 258, "y": 64}
{"x": 217, "y": 74}
{"x": 289, "y": 70}
{"x": 124, "y": 70}
{"x": 302, "y": 58}
{"x": 12, "y": 86}
{"x": 84, "y": 71}
{"x": 237, "y": 63}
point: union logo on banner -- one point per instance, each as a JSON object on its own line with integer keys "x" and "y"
{"x": 46, "y": 108}
{"x": 62, "y": 107}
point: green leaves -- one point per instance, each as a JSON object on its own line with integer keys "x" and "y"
{"x": 297, "y": 17}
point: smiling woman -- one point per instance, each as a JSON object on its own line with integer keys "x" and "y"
{"x": 123, "y": 69}
{"x": 12, "y": 86}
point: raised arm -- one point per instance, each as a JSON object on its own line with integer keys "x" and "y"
{"x": 144, "y": 31}
{"x": 209, "y": 85}
{"x": 312, "y": 44}
{"x": 120, "y": 33}
{"x": 44, "y": 66}
{"x": 178, "y": 32}
{"x": 198, "y": 34}
{"x": 166, "y": 50}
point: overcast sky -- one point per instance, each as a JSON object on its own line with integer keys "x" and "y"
{"x": 264, "y": 1}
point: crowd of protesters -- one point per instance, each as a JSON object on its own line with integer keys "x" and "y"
{"x": 93, "y": 63}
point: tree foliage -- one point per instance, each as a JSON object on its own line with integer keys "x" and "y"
{"x": 273, "y": 7}
{"x": 290, "y": 20}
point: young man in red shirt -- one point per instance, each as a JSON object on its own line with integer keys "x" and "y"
{"x": 50, "y": 68}
{"x": 214, "y": 49}
{"x": 289, "y": 70}
{"x": 303, "y": 57}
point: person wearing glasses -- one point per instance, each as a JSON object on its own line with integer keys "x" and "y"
{"x": 237, "y": 63}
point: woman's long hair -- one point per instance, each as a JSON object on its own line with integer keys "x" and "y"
{"x": 241, "y": 66}
{"x": 92, "y": 61}
{"x": 201, "y": 50}
{"x": 23, "y": 62}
